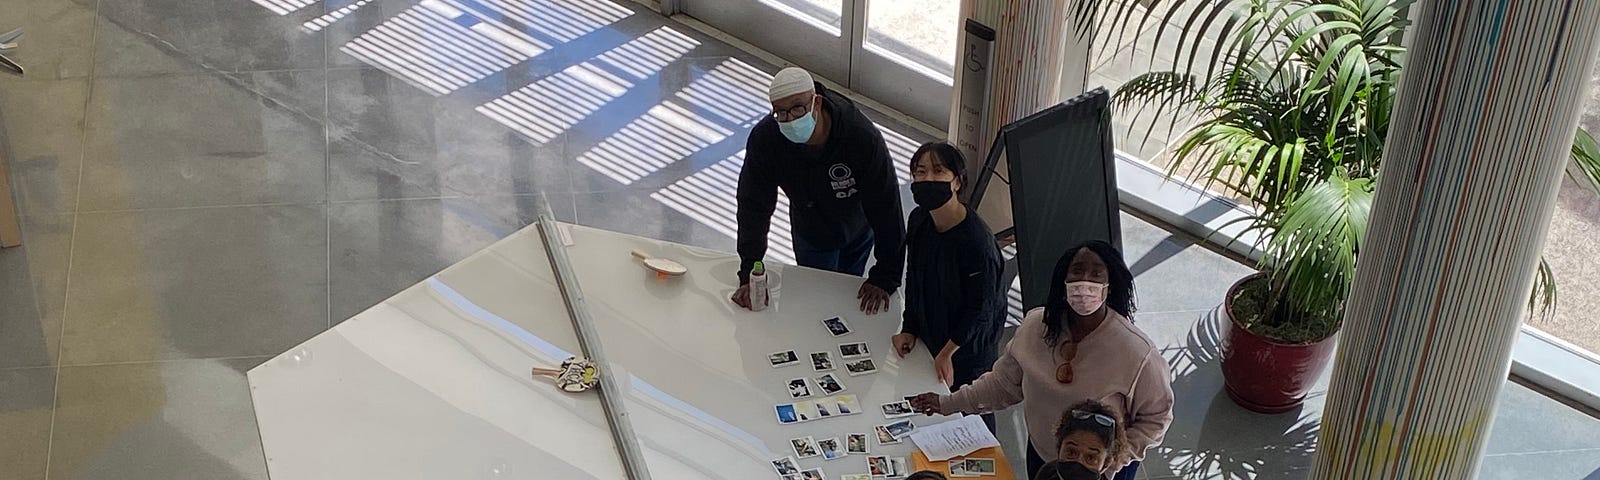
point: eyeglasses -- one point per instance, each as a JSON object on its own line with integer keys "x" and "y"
{"x": 1068, "y": 350}
{"x": 1103, "y": 420}
{"x": 791, "y": 113}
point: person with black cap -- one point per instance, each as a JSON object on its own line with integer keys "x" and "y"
{"x": 954, "y": 301}
{"x": 844, "y": 198}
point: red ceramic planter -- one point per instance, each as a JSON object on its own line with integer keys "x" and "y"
{"x": 1264, "y": 375}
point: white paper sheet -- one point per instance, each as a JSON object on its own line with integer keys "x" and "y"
{"x": 953, "y": 439}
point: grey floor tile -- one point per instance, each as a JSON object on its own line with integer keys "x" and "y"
{"x": 42, "y": 126}
{"x": 1169, "y": 330}
{"x": 27, "y": 400}
{"x": 205, "y": 140}
{"x": 391, "y": 140}
{"x": 58, "y": 40}
{"x": 1574, "y": 465}
{"x": 1527, "y": 421}
{"x": 188, "y": 419}
{"x": 195, "y": 283}
{"x": 381, "y": 248}
{"x": 33, "y": 291}
{"x": 1171, "y": 272}
{"x": 143, "y": 37}
{"x": 636, "y": 212}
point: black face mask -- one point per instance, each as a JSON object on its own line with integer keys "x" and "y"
{"x": 1059, "y": 470}
{"x": 931, "y": 195}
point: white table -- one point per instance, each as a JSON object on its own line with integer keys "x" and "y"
{"x": 433, "y": 383}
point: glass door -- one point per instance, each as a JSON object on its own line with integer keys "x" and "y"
{"x": 898, "y": 52}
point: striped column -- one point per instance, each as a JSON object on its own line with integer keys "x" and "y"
{"x": 1484, "y": 119}
{"x": 1028, "y": 57}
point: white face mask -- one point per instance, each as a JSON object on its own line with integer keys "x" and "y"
{"x": 1086, "y": 297}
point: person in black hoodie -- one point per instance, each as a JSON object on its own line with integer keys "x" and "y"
{"x": 954, "y": 301}
{"x": 844, "y": 197}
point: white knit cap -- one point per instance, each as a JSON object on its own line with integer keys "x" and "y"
{"x": 789, "y": 82}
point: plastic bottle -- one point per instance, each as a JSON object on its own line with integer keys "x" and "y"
{"x": 758, "y": 287}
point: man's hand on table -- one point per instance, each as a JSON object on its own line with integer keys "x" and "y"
{"x": 741, "y": 297}
{"x": 873, "y": 299}
{"x": 903, "y": 343}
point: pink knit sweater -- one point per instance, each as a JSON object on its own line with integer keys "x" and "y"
{"x": 1116, "y": 364}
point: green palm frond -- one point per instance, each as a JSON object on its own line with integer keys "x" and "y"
{"x": 1586, "y": 154}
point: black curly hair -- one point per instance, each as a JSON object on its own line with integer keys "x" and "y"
{"x": 1069, "y": 424}
{"x": 1119, "y": 297}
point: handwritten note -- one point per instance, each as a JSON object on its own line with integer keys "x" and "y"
{"x": 955, "y": 438}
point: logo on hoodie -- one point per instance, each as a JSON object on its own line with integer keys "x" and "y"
{"x": 843, "y": 183}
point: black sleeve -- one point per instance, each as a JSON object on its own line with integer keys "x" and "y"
{"x": 757, "y": 199}
{"x": 881, "y": 203}
{"x": 980, "y": 279}
{"x": 912, "y": 319}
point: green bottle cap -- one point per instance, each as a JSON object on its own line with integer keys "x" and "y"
{"x": 758, "y": 269}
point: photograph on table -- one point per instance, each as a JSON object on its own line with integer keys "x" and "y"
{"x": 805, "y": 447}
{"x": 786, "y": 466}
{"x": 783, "y": 359}
{"x": 856, "y": 476}
{"x": 831, "y": 450}
{"x": 898, "y": 468}
{"x": 884, "y": 437}
{"x": 854, "y": 350}
{"x": 861, "y": 367}
{"x": 878, "y": 466}
{"x": 897, "y": 409}
{"x": 813, "y": 474}
{"x": 979, "y": 466}
{"x": 821, "y": 361}
{"x": 825, "y": 408}
{"x": 900, "y": 429}
{"x": 787, "y": 414}
{"x": 856, "y": 444}
{"x": 958, "y": 468}
{"x": 847, "y": 404}
{"x": 798, "y": 388}
{"x": 829, "y": 384}
{"x": 836, "y": 326}
{"x": 806, "y": 411}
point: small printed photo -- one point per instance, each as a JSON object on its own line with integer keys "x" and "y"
{"x": 823, "y": 410}
{"x": 847, "y": 404}
{"x": 805, "y": 411}
{"x": 900, "y": 429}
{"x": 830, "y": 448}
{"x": 884, "y": 437}
{"x": 790, "y": 477}
{"x": 804, "y": 447}
{"x": 786, "y": 466}
{"x": 829, "y": 384}
{"x": 878, "y": 466}
{"x": 783, "y": 359}
{"x": 821, "y": 361}
{"x": 980, "y": 466}
{"x": 856, "y": 444}
{"x": 856, "y": 476}
{"x": 812, "y": 474}
{"x": 798, "y": 388}
{"x": 787, "y": 414}
{"x": 898, "y": 409}
{"x": 958, "y": 468}
{"x": 861, "y": 367}
{"x": 897, "y": 467}
{"x": 854, "y": 350}
{"x": 836, "y": 326}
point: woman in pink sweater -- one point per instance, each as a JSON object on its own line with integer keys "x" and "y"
{"x": 1080, "y": 346}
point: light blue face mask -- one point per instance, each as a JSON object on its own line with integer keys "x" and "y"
{"x": 800, "y": 129}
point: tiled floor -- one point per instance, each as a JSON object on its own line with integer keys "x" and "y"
{"x": 206, "y": 183}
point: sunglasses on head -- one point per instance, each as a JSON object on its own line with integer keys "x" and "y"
{"x": 1098, "y": 418}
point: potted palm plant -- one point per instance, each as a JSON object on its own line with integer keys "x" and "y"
{"x": 1289, "y": 114}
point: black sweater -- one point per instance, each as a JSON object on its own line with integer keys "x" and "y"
{"x": 835, "y": 192}
{"x": 953, "y": 290}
